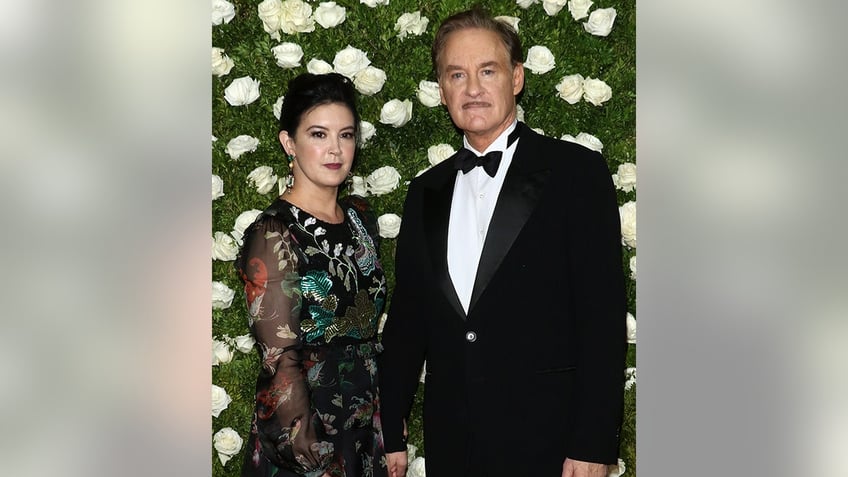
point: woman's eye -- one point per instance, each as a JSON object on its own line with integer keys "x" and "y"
{"x": 347, "y": 135}
{"x": 318, "y": 134}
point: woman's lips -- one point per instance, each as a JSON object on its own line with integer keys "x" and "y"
{"x": 334, "y": 167}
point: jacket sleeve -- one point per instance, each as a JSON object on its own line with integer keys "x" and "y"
{"x": 288, "y": 428}
{"x": 404, "y": 331}
{"x": 600, "y": 310}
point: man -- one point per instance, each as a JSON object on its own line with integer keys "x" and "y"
{"x": 509, "y": 284}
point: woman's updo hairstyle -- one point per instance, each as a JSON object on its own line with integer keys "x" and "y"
{"x": 306, "y": 91}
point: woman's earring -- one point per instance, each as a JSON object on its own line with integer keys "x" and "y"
{"x": 289, "y": 179}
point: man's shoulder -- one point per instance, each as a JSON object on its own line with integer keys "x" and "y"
{"x": 562, "y": 154}
{"x": 435, "y": 175}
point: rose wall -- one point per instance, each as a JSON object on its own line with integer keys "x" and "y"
{"x": 580, "y": 86}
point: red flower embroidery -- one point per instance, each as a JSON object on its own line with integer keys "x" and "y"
{"x": 255, "y": 281}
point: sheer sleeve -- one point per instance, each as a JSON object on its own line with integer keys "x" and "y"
{"x": 288, "y": 428}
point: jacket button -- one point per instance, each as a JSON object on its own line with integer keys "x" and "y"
{"x": 471, "y": 336}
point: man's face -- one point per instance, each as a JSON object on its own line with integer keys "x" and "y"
{"x": 478, "y": 84}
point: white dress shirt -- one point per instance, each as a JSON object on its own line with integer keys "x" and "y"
{"x": 474, "y": 197}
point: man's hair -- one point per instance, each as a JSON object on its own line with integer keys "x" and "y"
{"x": 477, "y": 17}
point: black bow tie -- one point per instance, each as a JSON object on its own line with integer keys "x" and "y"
{"x": 466, "y": 160}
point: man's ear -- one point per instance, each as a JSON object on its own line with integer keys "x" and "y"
{"x": 287, "y": 142}
{"x": 517, "y": 78}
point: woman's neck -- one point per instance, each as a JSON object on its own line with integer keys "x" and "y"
{"x": 321, "y": 204}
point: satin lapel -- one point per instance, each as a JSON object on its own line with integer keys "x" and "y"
{"x": 436, "y": 219}
{"x": 518, "y": 197}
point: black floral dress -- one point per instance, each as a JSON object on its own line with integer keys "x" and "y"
{"x": 315, "y": 292}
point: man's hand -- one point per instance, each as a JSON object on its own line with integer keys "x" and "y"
{"x": 396, "y": 463}
{"x": 578, "y": 468}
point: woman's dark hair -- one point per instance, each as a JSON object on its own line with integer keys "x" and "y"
{"x": 307, "y": 91}
{"x": 477, "y": 17}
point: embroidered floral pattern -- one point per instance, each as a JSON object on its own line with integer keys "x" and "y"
{"x": 315, "y": 292}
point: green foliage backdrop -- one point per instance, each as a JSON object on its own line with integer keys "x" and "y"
{"x": 406, "y": 62}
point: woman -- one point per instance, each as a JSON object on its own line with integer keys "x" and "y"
{"x": 315, "y": 291}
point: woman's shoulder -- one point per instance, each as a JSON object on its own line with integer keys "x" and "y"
{"x": 357, "y": 202}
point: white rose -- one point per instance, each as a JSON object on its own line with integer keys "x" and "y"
{"x": 224, "y": 247}
{"x": 244, "y": 343}
{"x": 511, "y": 21}
{"x": 388, "y": 225}
{"x": 439, "y": 152}
{"x": 214, "y": 138}
{"x": 411, "y": 450}
{"x": 539, "y": 131}
{"x": 270, "y": 12}
{"x": 350, "y": 61}
{"x": 411, "y": 24}
{"x": 519, "y": 113}
{"x": 631, "y": 328}
{"x": 222, "y": 12}
{"x": 328, "y": 14}
{"x": 589, "y": 141}
{"x": 600, "y": 21}
{"x": 370, "y": 80}
{"x": 416, "y": 468}
{"x": 627, "y": 212}
{"x": 570, "y": 88}
{"x": 428, "y": 93}
{"x": 383, "y": 180}
{"x": 263, "y": 178}
{"x": 227, "y": 443}
{"x": 288, "y": 55}
{"x": 220, "y": 400}
{"x": 525, "y": 4}
{"x": 222, "y": 296}
{"x": 358, "y": 186}
{"x": 296, "y": 16}
{"x": 242, "y": 222}
{"x": 278, "y": 107}
{"x": 396, "y": 112}
{"x": 586, "y": 140}
{"x": 596, "y": 91}
{"x": 318, "y": 67}
{"x": 579, "y": 8}
{"x": 618, "y": 470}
{"x": 242, "y": 91}
{"x": 241, "y": 144}
{"x": 633, "y": 267}
{"x": 630, "y": 376}
{"x": 422, "y": 378}
{"x": 221, "y": 352}
{"x": 366, "y": 132}
{"x": 625, "y": 177}
{"x": 374, "y": 3}
{"x": 540, "y": 60}
{"x": 217, "y": 187}
{"x": 552, "y": 7}
{"x": 221, "y": 63}
{"x": 422, "y": 171}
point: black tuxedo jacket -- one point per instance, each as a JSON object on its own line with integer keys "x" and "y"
{"x": 534, "y": 372}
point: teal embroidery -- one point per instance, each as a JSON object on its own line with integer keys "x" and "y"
{"x": 366, "y": 252}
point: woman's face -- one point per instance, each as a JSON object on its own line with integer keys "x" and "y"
{"x": 323, "y": 145}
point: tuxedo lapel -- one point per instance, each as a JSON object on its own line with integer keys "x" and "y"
{"x": 518, "y": 198}
{"x": 436, "y": 219}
